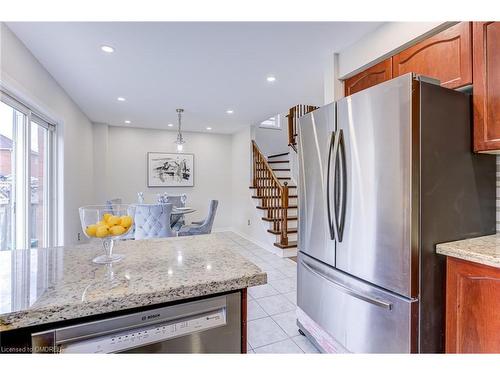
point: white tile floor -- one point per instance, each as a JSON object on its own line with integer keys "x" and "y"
{"x": 271, "y": 309}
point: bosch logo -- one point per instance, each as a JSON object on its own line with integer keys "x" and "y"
{"x": 148, "y": 317}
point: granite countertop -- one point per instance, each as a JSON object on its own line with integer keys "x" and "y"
{"x": 483, "y": 250}
{"x": 40, "y": 286}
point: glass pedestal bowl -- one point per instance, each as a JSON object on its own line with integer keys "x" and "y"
{"x": 107, "y": 223}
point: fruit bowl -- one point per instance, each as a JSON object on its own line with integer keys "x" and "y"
{"x": 107, "y": 223}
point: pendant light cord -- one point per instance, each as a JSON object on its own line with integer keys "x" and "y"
{"x": 179, "y": 134}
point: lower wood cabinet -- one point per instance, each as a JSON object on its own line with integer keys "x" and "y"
{"x": 370, "y": 77}
{"x": 472, "y": 307}
{"x": 486, "y": 94}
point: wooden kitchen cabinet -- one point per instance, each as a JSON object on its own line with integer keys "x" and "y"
{"x": 472, "y": 307}
{"x": 370, "y": 77}
{"x": 446, "y": 56}
{"x": 486, "y": 94}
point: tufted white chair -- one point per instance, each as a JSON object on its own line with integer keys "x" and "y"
{"x": 153, "y": 221}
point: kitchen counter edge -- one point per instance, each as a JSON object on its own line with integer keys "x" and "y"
{"x": 482, "y": 250}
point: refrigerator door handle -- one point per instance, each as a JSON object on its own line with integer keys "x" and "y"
{"x": 335, "y": 222}
{"x": 346, "y": 290}
{"x": 331, "y": 152}
{"x": 343, "y": 192}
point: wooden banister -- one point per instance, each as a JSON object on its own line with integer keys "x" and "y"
{"x": 293, "y": 116}
{"x": 284, "y": 224}
{"x": 274, "y": 195}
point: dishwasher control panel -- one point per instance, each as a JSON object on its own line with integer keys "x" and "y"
{"x": 133, "y": 338}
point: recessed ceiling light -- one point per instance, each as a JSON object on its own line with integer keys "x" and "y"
{"x": 120, "y": 99}
{"x": 127, "y": 121}
{"x": 170, "y": 125}
{"x": 229, "y": 111}
{"x": 209, "y": 128}
{"x": 271, "y": 78}
{"x": 107, "y": 49}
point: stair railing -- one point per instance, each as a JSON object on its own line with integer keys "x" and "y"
{"x": 273, "y": 194}
{"x": 293, "y": 116}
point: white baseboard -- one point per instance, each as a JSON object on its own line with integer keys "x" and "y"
{"x": 284, "y": 253}
{"x": 287, "y": 253}
{"x": 265, "y": 246}
{"x": 222, "y": 229}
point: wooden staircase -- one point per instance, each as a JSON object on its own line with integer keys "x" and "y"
{"x": 277, "y": 196}
{"x": 293, "y": 116}
{"x": 273, "y": 187}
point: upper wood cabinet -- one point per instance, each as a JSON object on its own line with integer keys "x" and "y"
{"x": 446, "y": 56}
{"x": 486, "y": 94}
{"x": 369, "y": 77}
{"x": 472, "y": 307}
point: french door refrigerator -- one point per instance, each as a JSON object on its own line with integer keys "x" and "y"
{"x": 384, "y": 175}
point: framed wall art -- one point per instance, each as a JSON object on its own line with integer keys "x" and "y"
{"x": 170, "y": 169}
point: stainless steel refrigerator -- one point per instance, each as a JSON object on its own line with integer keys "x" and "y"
{"x": 384, "y": 175}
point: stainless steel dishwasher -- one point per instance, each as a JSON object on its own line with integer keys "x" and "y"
{"x": 211, "y": 325}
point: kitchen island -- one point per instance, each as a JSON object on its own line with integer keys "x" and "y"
{"x": 43, "y": 290}
{"x": 472, "y": 294}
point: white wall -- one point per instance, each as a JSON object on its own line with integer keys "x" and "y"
{"x": 24, "y": 76}
{"x": 244, "y": 207}
{"x": 101, "y": 162}
{"x": 272, "y": 141}
{"x": 121, "y": 169}
{"x": 333, "y": 87}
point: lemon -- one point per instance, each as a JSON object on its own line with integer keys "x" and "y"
{"x": 113, "y": 220}
{"x": 102, "y": 231}
{"x": 126, "y": 221}
{"x": 106, "y": 216}
{"x": 99, "y": 223}
{"x": 91, "y": 230}
{"x": 117, "y": 230}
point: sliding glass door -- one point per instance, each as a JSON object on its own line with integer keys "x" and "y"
{"x": 40, "y": 178}
{"x": 27, "y": 160}
{"x": 8, "y": 120}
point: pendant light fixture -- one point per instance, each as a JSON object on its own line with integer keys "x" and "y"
{"x": 179, "y": 141}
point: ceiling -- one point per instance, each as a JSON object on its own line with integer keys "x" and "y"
{"x": 204, "y": 67}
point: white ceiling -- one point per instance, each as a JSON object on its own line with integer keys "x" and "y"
{"x": 205, "y": 68}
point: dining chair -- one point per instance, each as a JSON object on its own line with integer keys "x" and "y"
{"x": 177, "y": 201}
{"x": 111, "y": 202}
{"x": 140, "y": 197}
{"x": 153, "y": 221}
{"x": 201, "y": 227}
